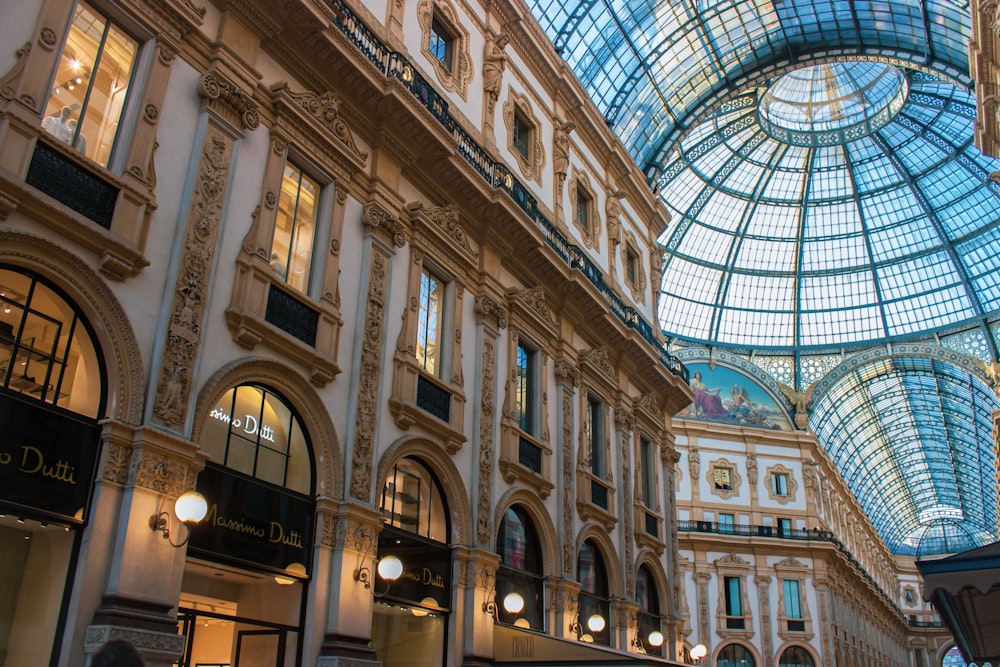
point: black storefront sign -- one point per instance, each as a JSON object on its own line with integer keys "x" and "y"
{"x": 252, "y": 523}
{"x": 47, "y": 460}
{"x": 426, "y": 569}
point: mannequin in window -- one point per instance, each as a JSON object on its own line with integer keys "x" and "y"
{"x": 58, "y": 124}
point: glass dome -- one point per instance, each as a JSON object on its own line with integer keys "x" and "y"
{"x": 812, "y": 242}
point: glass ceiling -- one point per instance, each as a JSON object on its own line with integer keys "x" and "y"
{"x": 817, "y": 159}
{"x": 846, "y": 205}
{"x": 913, "y": 439}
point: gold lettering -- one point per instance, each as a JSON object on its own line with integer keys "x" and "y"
{"x": 5, "y": 458}
{"x": 33, "y": 463}
{"x": 235, "y": 525}
{"x": 277, "y": 533}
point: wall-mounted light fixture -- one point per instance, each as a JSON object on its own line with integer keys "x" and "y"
{"x": 698, "y": 652}
{"x": 190, "y": 508}
{"x": 513, "y": 604}
{"x": 653, "y": 639}
{"x": 595, "y": 623}
{"x": 389, "y": 568}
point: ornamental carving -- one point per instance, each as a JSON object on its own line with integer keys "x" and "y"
{"x": 371, "y": 362}
{"x": 491, "y": 311}
{"x": 567, "y": 478}
{"x": 722, "y": 478}
{"x": 732, "y": 559}
{"x": 328, "y": 530}
{"x": 626, "y": 490}
{"x": 383, "y": 225}
{"x": 116, "y": 462}
{"x": 325, "y": 109}
{"x": 598, "y": 358}
{"x": 484, "y": 522}
{"x": 567, "y": 373}
{"x": 447, "y": 218}
{"x": 184, "y": 328}
{"x": 8, "y": 80}
{"x": 534, "y": 298}
{"x": 792, "y": 562}
{"x": 694, "y": 463}
{"x": 158, "y": 473}
{"x": 240, "y": 105}
{"x": 459, "y": 75}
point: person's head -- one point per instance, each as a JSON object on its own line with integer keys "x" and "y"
{"x": 117, "y": 653}
{"x": 71, "y": 123}
{"x": 66, "y": 112}
{"x": 697, "y": 375}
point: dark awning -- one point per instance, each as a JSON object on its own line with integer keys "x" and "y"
{"x": 965, "y": 591}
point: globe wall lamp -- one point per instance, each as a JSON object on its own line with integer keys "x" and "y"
{"x": 189, "y": 508}
{"x": 653, "y": 639}
{"x": 595, "y": 623}
{"x": 389, "y": 568}
{"x": 698, "y": 652}
{"x": 513, "y": 604}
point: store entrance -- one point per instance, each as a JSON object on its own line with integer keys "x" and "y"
{"x": 214, "y": 640}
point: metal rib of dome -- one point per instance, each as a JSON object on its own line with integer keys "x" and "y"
{"x": 913, "y": 439}
{"x": 774, "y": 245}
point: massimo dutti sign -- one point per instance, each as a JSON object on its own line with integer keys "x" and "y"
{"x": 47, "y": 460}
{"x": 252, "y": 522}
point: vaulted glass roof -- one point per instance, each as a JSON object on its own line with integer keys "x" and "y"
{"x": 913, "y": 439}
{"x": 817, "y": 160}
{"x": 845, "y": 205}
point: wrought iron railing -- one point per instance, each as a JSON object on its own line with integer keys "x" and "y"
{"x": 529, "y": 455}
{"x": 395, "y": 65}
{"x": 433, "y": 399}
{"x": 291, "y": 315}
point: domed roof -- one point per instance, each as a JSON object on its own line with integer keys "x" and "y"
{"x": 844, "y": 205}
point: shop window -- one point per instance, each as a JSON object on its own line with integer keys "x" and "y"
{"x": 442, "y": 43}
{"x": 793, "y": 605}
{"x": 47, "y": 353}
{"x": 255, "y": 432}
{"x": 650, "y": 623}
{"x": 410, "y": 615}
{"x": 734, "y": 603}
{"x": 796, "y": 656}
{"x": 295, "y": 228}
{"x": 91, "y": 86}
{"x": 593, "y": 621}
{"x": 735, "y": 655}
{"x": 527, "y": 388}
{"x": 520, "y": 571}
{"x": 412, "y": 501}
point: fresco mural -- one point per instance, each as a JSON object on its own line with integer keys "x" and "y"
{"x": 726, "y": 396}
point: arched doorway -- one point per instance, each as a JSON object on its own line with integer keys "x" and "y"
{"x": 650, "y": 622}
{"x": 796, "y": 656}
{"x": 735, "y": 655}
{"x": 520, "y": 570}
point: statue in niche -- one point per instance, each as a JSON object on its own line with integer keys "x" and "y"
{"x": 494, "y": 63}
{"x": 560, "y": 150}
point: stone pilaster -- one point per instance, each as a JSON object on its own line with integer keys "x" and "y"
{"x": 568, "y": 379}
{"x": 491, "y": 317}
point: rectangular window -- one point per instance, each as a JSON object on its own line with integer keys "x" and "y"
{"x": 441, "y": 43}
{"x": 726, "y": 522}
{"x": 526, "y": 378}
{"x": 734, "y": 604}
{"x": 647, "y": 461}
{"x": 522, "y": 134}
{"x": 723, "y": 479}
{"x": 784, "y": 526}
{"x": 583, "y": 202}
{"x": 595, "y": 436}
{"x": 91, "y": 86}
{"x": 793, "y": 608}
{"x": 430, "y": 320}
{"x": 779, "y": 484}
{"x": 631, "y": 266}
{"x": 295, "y": 228}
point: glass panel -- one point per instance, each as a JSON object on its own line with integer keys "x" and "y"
{"x": 792, "y": 600}
{"x": 595, "y": 437}
{"x": 412, "y": 501}
{"x": 91, "y": 85}
{"x": 404, "y": 636}
{"x": 295, "y": 228}
{"x": 430, "y": 321}
{"x": 734, "y": 603}
{"x": 525, "y": 388}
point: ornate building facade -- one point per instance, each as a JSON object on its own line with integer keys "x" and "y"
{"x": 375, "y": 280}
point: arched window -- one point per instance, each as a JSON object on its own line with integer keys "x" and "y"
{"x": 650, "y": 631}
{"x": 520, "y": 571}
{"x": 47, "y": 353}
{"x": 412, "y": 501}
{"x": 412, "y": 609}
{"x": 734, "y": 655}
{"x": 593, "y": 623}
{"x": 254, "y": 431}
{"x": 796, "y": 656}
